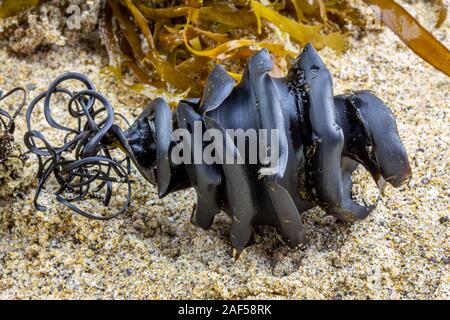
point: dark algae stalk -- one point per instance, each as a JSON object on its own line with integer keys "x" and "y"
{"x": 10, "y": 155}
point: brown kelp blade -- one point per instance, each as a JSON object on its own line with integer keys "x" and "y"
{"x": 416, "y": 37}
{"x": 171, "y": 46}
{"x": 298, "y": 31}
{"x": 9, "y": 8}
{"x": 442, "y": 13}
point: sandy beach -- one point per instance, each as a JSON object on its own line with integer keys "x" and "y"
{"x": 401, "y": 251}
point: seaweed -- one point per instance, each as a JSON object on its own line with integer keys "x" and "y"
{"x": 442, "y": 12}
{"x": 9, "y": 8}
{"x": 187, "y": 37}
{"x": 171, "y": 46}
{"x": 416, "y": 37}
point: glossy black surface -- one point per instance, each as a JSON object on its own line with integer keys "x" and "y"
{"x": 322, "y": 139}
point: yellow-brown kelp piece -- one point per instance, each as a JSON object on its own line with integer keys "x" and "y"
{"x": 9, "y": 8}
{"x": 158, "y": 41}
{"x": 416, "y": 37}
{"x": 299, "y": 32}
{"x": 442, "y": 13}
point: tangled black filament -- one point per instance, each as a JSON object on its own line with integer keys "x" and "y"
{"x": 92, "y": 167}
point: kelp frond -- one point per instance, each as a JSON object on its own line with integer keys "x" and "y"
{"x": 9, "y": 8}
{"x": 416, "y": 37}
{"x": 170, "y": 46}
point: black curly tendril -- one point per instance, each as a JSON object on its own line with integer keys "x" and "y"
{"x": 92, "y": 169}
